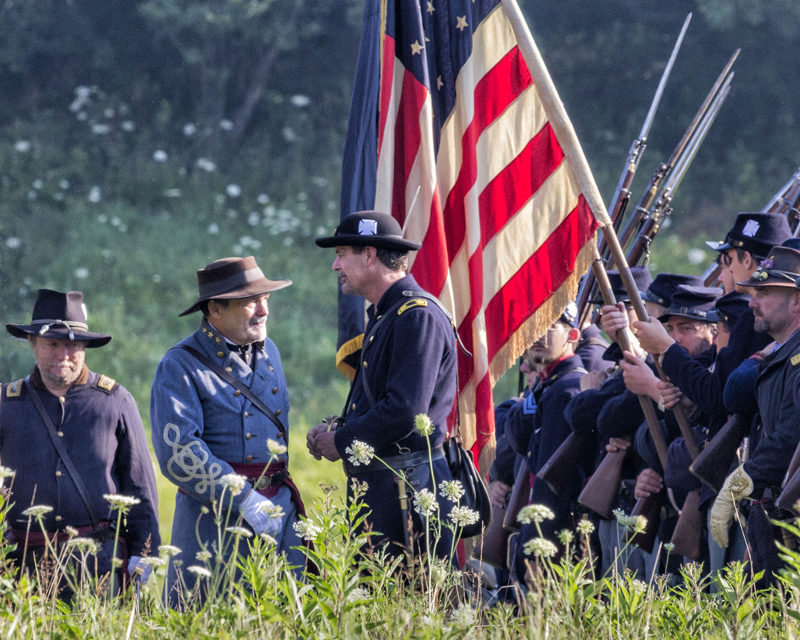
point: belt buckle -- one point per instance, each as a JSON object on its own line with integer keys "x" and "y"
{"x": 262, "y": 483}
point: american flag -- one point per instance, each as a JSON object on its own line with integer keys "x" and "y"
{"x": 451, "y": 131}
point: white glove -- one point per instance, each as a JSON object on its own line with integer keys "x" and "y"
{"x": 737, "y": 485}
{"x": 136, "y": 568}
{"x": 261, "y": 514}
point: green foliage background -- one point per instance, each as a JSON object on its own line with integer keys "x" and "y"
{"x": 142, "y": 139}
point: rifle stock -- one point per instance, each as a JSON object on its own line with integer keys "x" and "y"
{"x": 650, "y": 508}
{"x": 600, "y": 491}
{"x": 492, "y": 547}
{"x": 791, "y": 484}
{"x": 688, "y": 531}
{"x": 790, "y": 495}
{"x": 560, "y": 467}
{"x": 714, "y": 462}
{"x": 520, "y": 496}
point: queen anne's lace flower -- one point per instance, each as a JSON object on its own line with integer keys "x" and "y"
{"x": 118, "y": 501}
{"x": 200, "y": 572}
{"x": 234, "y": 482}
{"x": 585, "y": 527}
{"x": 453, "y": 490}
{"x": 425, "y": 502}
{"x": 84, "y": 545}
{"x": 240, "y": 531}
{"x": 359, "y": 453}
{"x": 168, "y": 550}
{"x": 540, "y": 547}
{"x": 537, "y": 513}
{"x": 423, "y": 425}
{"x": 37, "y": 510}
{"x": 306, "y": 529}
{"x": 463, "y": 516}
{"x": 275, "y": 447}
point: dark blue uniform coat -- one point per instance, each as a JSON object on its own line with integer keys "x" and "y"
{"x": 410, "y": 369}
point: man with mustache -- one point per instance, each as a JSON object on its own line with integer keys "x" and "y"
{"x": 219, "y": 411}
{"x": 72, "y": 436}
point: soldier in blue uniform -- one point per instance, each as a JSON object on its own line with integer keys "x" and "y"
{"x": 219, "y": 407}
{"x": 775, "y": 303}
{"x": 408, "y": 367}
{"x": 71, "y": 436}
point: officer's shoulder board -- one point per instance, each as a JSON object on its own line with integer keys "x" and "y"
{"x": 106, "y": 384}
{"x": 795, "y": 359}
{"x": 14, "y": 389}
{"x": 414, "y": 302}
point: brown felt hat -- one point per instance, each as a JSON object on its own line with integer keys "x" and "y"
{"x": 231, "y": 278}
{"x": 61, "y": 316}
{"x": 780, "y": 269}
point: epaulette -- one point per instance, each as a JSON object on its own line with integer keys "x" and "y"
{"x": 416, "y": 302}
{"x": 105, "y": 383}
{"x": 795, "y": 359}
{"x": 14, "y": 389}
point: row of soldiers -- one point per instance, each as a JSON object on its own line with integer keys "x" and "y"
{"x": 704, "y": 354}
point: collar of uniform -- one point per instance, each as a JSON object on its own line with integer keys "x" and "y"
{"x": 36, "y": 378}
{"x": 556, "y": 369}
{"x": 395, "y": 293}
{"x": 788, "y": 349}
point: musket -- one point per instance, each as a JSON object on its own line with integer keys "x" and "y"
{"x": 622, "y": 193}
{"x": 520, "y": 496}
{"x": 623, "y": 340}
{"x": 790, "y": 486}
{"x": 785, "y": 201}
{"x": 560, "y": 467}
{"x": 639, "y": 251}
{"x": 714, "y": 462}
{"x": 664, "y": 169}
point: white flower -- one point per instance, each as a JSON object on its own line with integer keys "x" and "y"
{"x": 463, "y": 516}
{"x": 153, "y": 561}
{"x": 200, "y": 572}
{"x": 5, "y": 472}
{"x": 189, "y": 129}
{"x": 299, "y": 100}
{"x": 669, "y": 547}
{"x": 172, "y": 193}
{"x": 289, "y": 134}
{"x": 38, "y": 184}
{"x": 359, "y": 453}
{"x": 565, "y": 536}
{"x": 81, "y": 273}
{"x": 425, "y": 502}
{"x": 203, "y": 556}
{"x": 585, "y": 527}
{"x": 95, "y": 195}
{"x": 234, "y": 483}
{"x": 206, "y": 165}
{"x": 358, "y": 594}
{"x": 423, "y": 425}
{"x": 84, "y": 545}
{"x": 268, "y": 539}
{"x": 168, "y": 550}
{"x": 275, "y": 447}
{"x": 63, "y": 184}
{"x": 537, "y": 513}
{"x": 226, "y": 125}
{"x": 23, "y": 146}
{"x": 159, "y": 155}
{"x": 306, "y": 529}
{"x": 274, "y": 511}
{"x": 100, "y": 129}
{"x": 118, "y": 501}
{"x": 240, "y": 531}
{"x": 464, "y": 615}
{"x": 127, "y": 125}
{"x": 213, "y": 228}
{"x": 233, "y": 190}
{"x": 453, "y": 490}
{"x": 262, "y": 198}
{"x": 13, "y": 242}
{"x": 37, "y": 510}
{"x": 540, "y": 547}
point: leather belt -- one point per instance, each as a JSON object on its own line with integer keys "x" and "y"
{"x": 396, "y": 463}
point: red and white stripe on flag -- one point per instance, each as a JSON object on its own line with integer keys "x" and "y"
{"x": 505, "y": 230}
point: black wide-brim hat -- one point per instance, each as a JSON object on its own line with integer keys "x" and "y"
{"x": 369, "y": 229}
{"x": 61, "y": 316}
{"x": 693, "y": 302}
{"x": 231, "y": 278}
{"x": 780, "y": 269}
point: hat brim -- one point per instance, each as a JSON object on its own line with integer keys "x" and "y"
{"x": 691, "y": 316}
{"x": 355, "y": 240}
{"x": 91, "y": 339}
{"x": 258, "y": 288}
{"x": 769, "y": 282}
{"x": 718, "y": 245}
